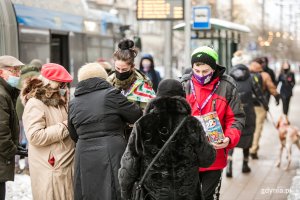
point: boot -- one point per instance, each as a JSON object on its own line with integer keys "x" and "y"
{"x": 246, "y": 168}
{"x": 229, "y": 169}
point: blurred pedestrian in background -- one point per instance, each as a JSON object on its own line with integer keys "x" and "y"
{"x": 266, "y": 84}
{"x": 175, "y": 174}
{"x": 27, "y": 71}
{"x": 9, "y": 127}
{"x": 132, "y": 83}
{"x": 241, "y": 75}
{"x": 51, "y": 149}
{"x": 97, "y": 118}
{"x": 264, "y": 62}
{"x": 287, "y": 80}
{"x": 148, "y": 68}
{"x": 208, "y": 90}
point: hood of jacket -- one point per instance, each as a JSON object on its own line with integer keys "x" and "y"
{"x": 34, "y": 88}
{"x": 174, "y": 104}
{"x": 240, "y": 72}
{"x": 91, "y": 85}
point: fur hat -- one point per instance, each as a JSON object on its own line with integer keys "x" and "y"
{"x": 10, "y": 61}
{"x": 170, "y": 88}
{"x": 205, "y": 55}
{"x": 56, "y": 72}
{"x": 91, "y": 70}
{"x": 239, "y": 58}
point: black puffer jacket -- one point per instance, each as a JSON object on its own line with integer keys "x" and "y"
{"x": 241, "y": 75}
{"x": 175, "y": 174}
{"x": 97, "y": 117}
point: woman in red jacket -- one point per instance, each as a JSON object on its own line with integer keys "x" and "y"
{"x": 208, "y": 89}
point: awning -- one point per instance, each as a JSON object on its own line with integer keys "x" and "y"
{"x": 48, "y": 19}
{"x": 219, "y": 24}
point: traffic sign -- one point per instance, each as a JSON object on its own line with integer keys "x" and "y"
{"x": 201, "y": 17}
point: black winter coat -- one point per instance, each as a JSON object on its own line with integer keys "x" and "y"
{"x": 97, "y": 117}
{"x": 9, "y": 130}
{"x": 288, "y": 82}
{"x": 175, "y": 174}
{"x": 241, "y": 75}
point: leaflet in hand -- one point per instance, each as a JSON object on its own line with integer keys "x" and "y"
{"x": 212, "y": 127}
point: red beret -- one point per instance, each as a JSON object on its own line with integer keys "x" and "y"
{"x": 56, "y": 72}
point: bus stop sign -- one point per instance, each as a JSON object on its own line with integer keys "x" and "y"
{"x": 201, "y": 17}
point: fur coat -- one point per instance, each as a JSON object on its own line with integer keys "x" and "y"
{"x": 175, "y": 173}
{"x": 50, "y": 150}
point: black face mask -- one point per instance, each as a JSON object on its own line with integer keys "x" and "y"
{"x": 286, "y": 70}
{"x": 123, "y": 76}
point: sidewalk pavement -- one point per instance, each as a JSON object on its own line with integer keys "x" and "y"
{"x": 266, "y": 181}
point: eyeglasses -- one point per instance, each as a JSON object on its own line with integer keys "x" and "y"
{"x": 13, "y": 70}
{"x": 63, "y": 85}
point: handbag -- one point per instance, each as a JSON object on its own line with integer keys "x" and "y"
{"x": 138, "y": 192}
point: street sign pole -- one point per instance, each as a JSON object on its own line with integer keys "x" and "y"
{"x": 187, "y": 34}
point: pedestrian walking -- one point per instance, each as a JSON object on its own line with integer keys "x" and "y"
{"x": 9, "y": 128}
{"x": 266, "y": 84}
{"x": 50, "y": 149}
{"x": 208, "y": 89}
{"x": 287, "y": 80}
{"x": 97, "y": 118}
{"x": 241, "y": 75}
{"x": 132, "y": 83}
{"x": 174, "y": 175}
{"x": 148, "y": 68}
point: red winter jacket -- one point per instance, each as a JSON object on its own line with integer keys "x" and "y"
{"x": 226, "y": 102}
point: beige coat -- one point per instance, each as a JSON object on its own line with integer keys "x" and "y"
{"x": 49, "y": 137}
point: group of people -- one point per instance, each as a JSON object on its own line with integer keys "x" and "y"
{"x": 256, "y": 82}
{"x": 101, "y": 142}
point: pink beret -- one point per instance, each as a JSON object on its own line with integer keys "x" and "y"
{"x": 56, "y": 72}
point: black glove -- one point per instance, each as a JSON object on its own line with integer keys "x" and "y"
{"x": 22, "y": 151}
{"x": 277, "y": 98}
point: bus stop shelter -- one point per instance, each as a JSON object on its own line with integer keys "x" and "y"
{"x": 224, "y": 37}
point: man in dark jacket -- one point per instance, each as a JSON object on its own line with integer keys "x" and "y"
{"x": 208, "y": 90}
{"x": 175, "y": 174}
{"x": 264, "y": 61}
{"x": 97, "y": 118}
{"x": 9, "y": 124}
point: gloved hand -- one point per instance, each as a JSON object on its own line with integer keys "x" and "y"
{"x": 22, "y": 151}
{"x": 277, "y": 98}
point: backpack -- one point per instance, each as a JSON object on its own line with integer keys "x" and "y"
{"x": 258, "y": 95}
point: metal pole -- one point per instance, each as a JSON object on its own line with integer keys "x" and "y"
{"x": 187, "y": 33}
{"x": 263, "y": 17}
{"x": 281, "y": 16}
{"x": 168, "y": 49}
{"x": 231, "y": 9}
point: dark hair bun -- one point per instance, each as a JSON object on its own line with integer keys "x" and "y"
{"x": 126, "y": 44}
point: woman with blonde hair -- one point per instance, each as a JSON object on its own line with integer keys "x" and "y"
{"x": 97, "y": 118}
{"x": 50, "y": 150}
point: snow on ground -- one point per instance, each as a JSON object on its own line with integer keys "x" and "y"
{"x": 20, "y": 189}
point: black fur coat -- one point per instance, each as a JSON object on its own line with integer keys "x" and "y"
{"x": 175, "y": 173}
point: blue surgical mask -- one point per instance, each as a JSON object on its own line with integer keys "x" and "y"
{"x": 13, "y": 81}
{"x": 62, "y": 92}
{"x": 203, "y": 79}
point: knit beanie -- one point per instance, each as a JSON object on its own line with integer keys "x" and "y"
{"x": 170, "y": 88}
{"x": 205, "y": 55}
{"x": 91, "y": 70}
{"x": 239, "y": 58}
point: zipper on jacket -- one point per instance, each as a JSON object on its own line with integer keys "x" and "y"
{"x": 214, "y": 105}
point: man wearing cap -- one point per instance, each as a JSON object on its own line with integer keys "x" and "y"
{"x": 51, "y": 149}
{"x": 208, "y": 90}
{"x": 9, "y": 124}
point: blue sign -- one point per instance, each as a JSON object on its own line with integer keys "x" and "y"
{"x": 201, "y": 17}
